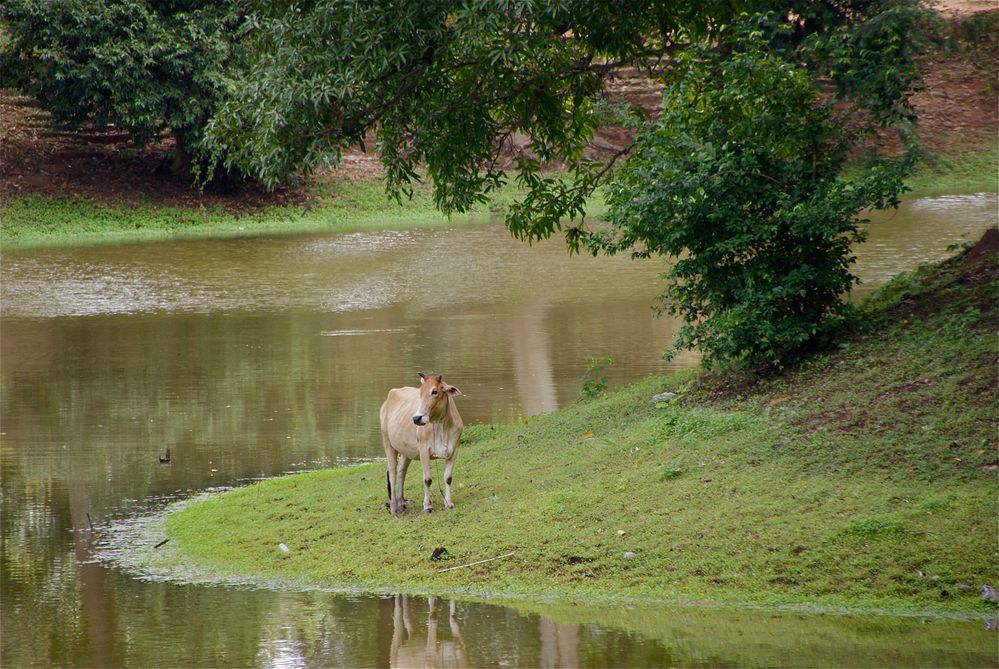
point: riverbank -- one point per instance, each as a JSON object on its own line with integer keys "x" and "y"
{"x": 863, "y": 480}
{"x": 29, "y": 221}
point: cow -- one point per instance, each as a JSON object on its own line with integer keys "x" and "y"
{"x": 420, "y": 423}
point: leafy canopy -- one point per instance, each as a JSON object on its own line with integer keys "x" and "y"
{"x": 442, "y": 84}
{"x": 146, "y": 66}
{"x": 740, "y": 181}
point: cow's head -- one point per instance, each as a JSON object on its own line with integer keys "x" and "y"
{"x": 434, "y": 396}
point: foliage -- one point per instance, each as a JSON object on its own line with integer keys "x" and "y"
{"x": 444, "y": 84}
{"x": 866, "y": 50}
{"x": 742, "y": 187}
{"x": 594, "y": 382}
{"x": 461, "y": 89}
{"x": 145, "y": 66}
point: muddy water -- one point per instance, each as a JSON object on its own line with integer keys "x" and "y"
{"x": 254, "y": 357}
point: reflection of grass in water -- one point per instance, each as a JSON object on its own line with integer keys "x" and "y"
{"x": 717, "y": 636}
{"x": 822, "y": 487}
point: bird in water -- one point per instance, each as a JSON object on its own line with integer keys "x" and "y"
{"x": 166, "y": 458}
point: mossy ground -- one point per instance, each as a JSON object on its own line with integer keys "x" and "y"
{"x": 866, "y": 478}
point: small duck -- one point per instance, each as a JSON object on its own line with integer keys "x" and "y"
{"x": 166, "y": 458}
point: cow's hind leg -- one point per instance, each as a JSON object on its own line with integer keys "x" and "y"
{"x": 425, "y": 461}
{"x": 448, "y": 468}
{"x": 390, "y": 464}
{"x": 400, "y": 476}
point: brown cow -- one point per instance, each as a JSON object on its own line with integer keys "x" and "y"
{"x": 420, "y": 423}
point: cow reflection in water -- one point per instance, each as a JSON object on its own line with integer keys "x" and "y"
{"x": 412, "y": 649}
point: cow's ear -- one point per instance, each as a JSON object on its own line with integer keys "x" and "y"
{"x": 452, "y": 390}
{"x": 422, "y": 377}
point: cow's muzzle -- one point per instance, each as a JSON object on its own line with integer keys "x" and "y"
{"x": 421, "y": 419}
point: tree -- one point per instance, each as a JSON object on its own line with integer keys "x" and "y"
{"x": 740, "y": 181}
{"x": 441, "y": 84}
{"x": 146, "y": 66}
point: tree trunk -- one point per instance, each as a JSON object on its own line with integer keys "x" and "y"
{"x": 180, "y": 167}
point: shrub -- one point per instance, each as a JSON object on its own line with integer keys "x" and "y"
{"x": 740, "y": 182}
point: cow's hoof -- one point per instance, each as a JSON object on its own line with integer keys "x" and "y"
{"x": 428, "y": 510}
{"x": 449, "y": 505}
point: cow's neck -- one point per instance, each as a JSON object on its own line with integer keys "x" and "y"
{"x": 444, "y": 415}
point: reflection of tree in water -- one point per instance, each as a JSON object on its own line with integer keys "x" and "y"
{"x": 36, "y": 565}
{"x": 412, "y": 647}
{"x": 97, "y": 598}
{"x": 559, "y": 644}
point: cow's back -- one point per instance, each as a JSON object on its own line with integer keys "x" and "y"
{"x": 396, "y": 414}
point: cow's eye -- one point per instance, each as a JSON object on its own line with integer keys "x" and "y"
{"x": 433, "y": 392}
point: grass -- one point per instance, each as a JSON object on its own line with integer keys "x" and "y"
{"x": 30, "y": 221}
{"x": 971, "y": 171}
{"x": 34, "y": 221}
{"x": 864, "y": 479}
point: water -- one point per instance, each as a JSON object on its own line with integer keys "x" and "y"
{"x": 250, "y": 358}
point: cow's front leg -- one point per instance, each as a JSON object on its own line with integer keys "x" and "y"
{"x": 448, "y": 468}
{"x": 400, "y": 475}
{"x": 425, "y": 461}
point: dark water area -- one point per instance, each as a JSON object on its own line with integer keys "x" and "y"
{"x": 251, "y": 358}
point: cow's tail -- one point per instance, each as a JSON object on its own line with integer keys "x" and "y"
{"x": 388, "y": 484}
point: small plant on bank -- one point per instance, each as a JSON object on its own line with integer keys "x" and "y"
{"x": 594, "y": 382}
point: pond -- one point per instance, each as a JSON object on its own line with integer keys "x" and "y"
{"x": 249, "y": 358}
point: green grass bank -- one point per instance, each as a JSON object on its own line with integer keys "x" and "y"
{"x": 29, "y": 221}
{"x": 32, "y": 221}
{"x": 864, "y": 479}
{"x": 349, "y": 206}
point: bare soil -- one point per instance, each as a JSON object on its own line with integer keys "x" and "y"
{"x": 958, "y": 110}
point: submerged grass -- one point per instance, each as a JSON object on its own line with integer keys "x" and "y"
{"x": 864, "y": 479}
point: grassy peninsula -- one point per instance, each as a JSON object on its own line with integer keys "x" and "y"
{"x": 866, "y": 478}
